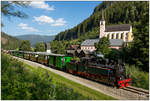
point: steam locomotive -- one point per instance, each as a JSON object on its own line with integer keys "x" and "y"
{"x": 94, "y": 68}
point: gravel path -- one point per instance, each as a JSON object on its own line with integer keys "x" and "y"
{"x": 114, "y": 92}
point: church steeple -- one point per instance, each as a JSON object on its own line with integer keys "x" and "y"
{"x": 102, "y": 16}
{"x": 102, "y": 26}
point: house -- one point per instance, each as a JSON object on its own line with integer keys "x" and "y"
{"x": 117, "y": 35}
{"x": 72, "y": 50}
{"x": 89, "y": 44}
{"x": 85, "y": 53}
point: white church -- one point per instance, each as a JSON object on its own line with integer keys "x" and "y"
{"x": 117, "y": 34}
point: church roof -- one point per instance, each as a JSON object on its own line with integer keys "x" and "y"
{"x": 122, "y": 27}
{"x": 116, "y": 42}
{"x": 113, "y": 42}
{"x": 89, "y": 42}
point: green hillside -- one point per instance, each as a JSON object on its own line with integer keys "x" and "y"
{"x": 115, "y": 13}
{"x": 135, "y": 13}
{"x": 8, "y": 42}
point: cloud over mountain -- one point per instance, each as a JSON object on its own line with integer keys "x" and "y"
{"x": 26, "y": 27}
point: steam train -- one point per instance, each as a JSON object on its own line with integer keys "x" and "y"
{"x": 94, "y": 68}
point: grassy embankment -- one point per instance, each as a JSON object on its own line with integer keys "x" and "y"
{"x": 22, "y": 81}
{"x": 139, "y": 78}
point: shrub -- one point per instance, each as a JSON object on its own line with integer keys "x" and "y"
{"x": 139, "y": 78}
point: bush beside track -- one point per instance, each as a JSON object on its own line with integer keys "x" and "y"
{"x": 140, "y": 78}
{"x": 22, "y": 81}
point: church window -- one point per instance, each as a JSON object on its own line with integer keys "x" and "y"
{"x": 112, "y": 36}
{"x": 126, "y": 36}
{"x": 117, "y": 37}
{"x": 121, "y": 35}
{"x": 107, "y": 35}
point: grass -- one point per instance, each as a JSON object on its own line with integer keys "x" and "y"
{"x": 85, "y": 91}
{"x": 139, "y": 78}
{"x": 22, "y": 81}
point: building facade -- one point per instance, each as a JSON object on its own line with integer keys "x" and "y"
{"x": 122, "y": 31}
{"x": 88, "y": 45}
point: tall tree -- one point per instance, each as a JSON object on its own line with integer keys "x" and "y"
{"x": 25, "y": 45}
{"x": 78, "y": 33}
{"x": 8, "y": 9}
{"x": 40, "y": 47}
{"x": 141, "y": 44}
{"x": 103, "y": 46}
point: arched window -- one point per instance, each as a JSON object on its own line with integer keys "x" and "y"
{"x": 126, "y": 36}
{"x": 121, "y": 35}
{"x": 117, "y": 36}
{"x": 108, "y": 36}
{"x": 112, "y": 36}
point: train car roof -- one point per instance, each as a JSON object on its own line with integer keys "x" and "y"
{"x": 42, "y": 53}
{"x": 52, "y": 54}
{"x": 11, "y": 50}
{"x": 39, "y": 53}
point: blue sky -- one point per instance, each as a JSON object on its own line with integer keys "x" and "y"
{"x": 49, "y": 18}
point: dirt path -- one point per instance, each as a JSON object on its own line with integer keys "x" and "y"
{"x": 116, "y": 93}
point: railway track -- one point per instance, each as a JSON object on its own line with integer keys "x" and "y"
{"x": 139, "y": 91}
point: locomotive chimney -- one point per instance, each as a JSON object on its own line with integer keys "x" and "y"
{"x": 48, "y": 50}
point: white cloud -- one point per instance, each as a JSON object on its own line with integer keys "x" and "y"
{"x": 59, "y": 22}
{"x": 26, "y": 27}
{"x": 42, "y": 5}
{"x": 49, "y": 20}
{"x": 43, "y": 19}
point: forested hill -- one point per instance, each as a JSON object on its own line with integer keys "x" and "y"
{"x": 115, "y": 13}
{"x": 9, "y": 42}
{"x": 33, "y": 38}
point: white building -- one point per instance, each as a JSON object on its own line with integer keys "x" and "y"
{"x": 122, "y": 31}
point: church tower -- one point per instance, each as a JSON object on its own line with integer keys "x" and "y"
{"x": 102, "y": 26}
